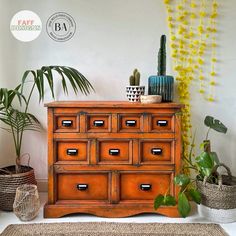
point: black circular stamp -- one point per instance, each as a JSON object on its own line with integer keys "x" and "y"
{"x": 61, "y": 26}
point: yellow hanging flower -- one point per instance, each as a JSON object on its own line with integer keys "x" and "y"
{"x": 167, "y": 1}
{"x": 211, "y": 99}
{"x": 201, "y": 77}
{"x": 193, "y": 5}
{"x": 212, "y": 83}
{"x": 201, "y": 91}
{"x": 213, "y": 59}
{"x": 213, "y": 73}
{"x": 202, "y": 13}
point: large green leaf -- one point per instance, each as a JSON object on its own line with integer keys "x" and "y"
{"x": 158, "y": 201}
{"x": 215, "y": 124}
{"x": 169, "y": 200}
{"x": 214, "y": 157}
{"x": 204, "y": 160}
{"x": 182, "y": 180}
{"x": 184, "y": 207}
{"x": 195, "y": 195}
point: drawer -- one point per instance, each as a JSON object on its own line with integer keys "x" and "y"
{"x": 64, "y": 123}
{"x": 130, "y": 123}
{"x": 162, "y": 123}
{"x": 114, "y": 151}
{"x": 143, "y": 185}
{"x": 156, "y": 151}
{"x": 98, "y": 123}
{"x": 73, "y": 151}
{"x": 84, "y": 186}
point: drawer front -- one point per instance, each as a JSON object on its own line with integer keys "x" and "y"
{"x": 64, "y": 123}
{"x": 162, "y": 123}
{"x": 130, "y": 123}
{"x": 114, "y": 151}
{"x": 156, "y": 151}
{"x": 73, "y": 151}
{"x": 98, "y": 123}
{"x": 143, "y": 186}
{"x": 87, "y": 186}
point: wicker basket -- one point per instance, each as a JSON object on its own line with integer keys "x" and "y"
{"x": 221, "y": 196}
{"x": 9, "y": 184}
{"x": 27, "y": 204}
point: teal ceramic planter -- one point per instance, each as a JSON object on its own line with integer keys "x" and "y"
{"x": 161, "y": 85}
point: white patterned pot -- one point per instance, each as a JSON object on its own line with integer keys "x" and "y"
{"x": 134, "y": 92}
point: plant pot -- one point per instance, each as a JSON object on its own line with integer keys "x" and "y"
{"x": 134, "y": 92}
{"x": 10, "y": 182}
{"x": 162, "y": 85}
{"x": 218, "y": 200}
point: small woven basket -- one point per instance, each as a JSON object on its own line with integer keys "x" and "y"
{"x": 9, "y": 184}
{"x": 221, "y": 196}
{"x": 27, "y": 204}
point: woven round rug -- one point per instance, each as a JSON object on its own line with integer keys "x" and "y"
{"x": 113, "y": 229}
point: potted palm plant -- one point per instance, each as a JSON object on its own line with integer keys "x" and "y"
{"x": 18, "y": 121}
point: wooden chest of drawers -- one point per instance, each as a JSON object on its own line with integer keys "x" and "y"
{"x": 111, "y": 158}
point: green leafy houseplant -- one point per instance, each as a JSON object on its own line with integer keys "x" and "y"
{"x": 203, "y": 165}
{"x": 17, "y": 121}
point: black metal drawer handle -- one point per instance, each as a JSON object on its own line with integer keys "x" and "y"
{"x": 162, "y": 122}
{"x": 98, "y": 123}
{"x": 145, "y": 187}
{"x": 114, "y": 152}
{"x": 67, "y": 123}
{"x": 156, "y": 151}
{"x": 82, "y": 187}
{"x": 72, "y": 152}
{"x": 130, "y": 123}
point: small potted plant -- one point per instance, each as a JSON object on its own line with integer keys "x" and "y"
{"x": 134, "y": 91}
{"x": 18, "y": 121}
{"x": 211, "y": 189}
{"x": 162, "y": 84}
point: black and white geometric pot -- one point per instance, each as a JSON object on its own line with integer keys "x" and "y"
{"x": 134, "y": 92}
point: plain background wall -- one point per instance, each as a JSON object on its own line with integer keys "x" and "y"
{"x": 113, "y": 37}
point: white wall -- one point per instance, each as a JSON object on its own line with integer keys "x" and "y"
{"x": 113, "y": 37}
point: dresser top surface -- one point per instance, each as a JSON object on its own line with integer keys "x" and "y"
{"x": 111, "y": 104}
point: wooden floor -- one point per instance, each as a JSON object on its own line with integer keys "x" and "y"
{"x": 7, "y": 218}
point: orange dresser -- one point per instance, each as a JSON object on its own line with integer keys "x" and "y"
{"x": 111, "y": 158}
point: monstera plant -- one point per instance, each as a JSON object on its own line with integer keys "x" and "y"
{"x": 203, "y": 166}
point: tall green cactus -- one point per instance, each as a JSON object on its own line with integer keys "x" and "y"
{"x": 162, "y": 57}
{"x": 134, "y": 80}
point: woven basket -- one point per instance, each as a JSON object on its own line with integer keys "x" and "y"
{"x": 221, "y": 196}
{"x": 9, "y": 184}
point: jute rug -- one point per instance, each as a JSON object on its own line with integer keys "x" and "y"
{"x": 113, "y": 229}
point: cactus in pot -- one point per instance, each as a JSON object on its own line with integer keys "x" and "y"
{"x": 161, "y": 84}
{"x": 134, "y": 91}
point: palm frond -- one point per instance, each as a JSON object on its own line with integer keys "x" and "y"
{"x": 67, "y": 74}
{"x": 20, "y": 121}
{"x": 7, "y": 96}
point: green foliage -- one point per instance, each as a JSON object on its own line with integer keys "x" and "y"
{"x": 164, "y": 200}
{"x": 182, "y": 180}
{"x": 134, "y": 80}
{"x": 184, "y": 206}
{"x": 17, "y": 121}
{"x": 162, "y": 56}
{"x": 195, "y": 195}
{"x": 204, "y": 165}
